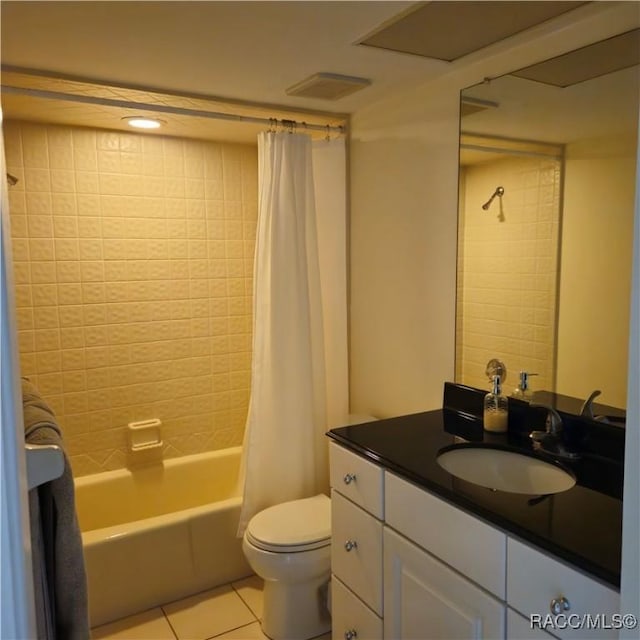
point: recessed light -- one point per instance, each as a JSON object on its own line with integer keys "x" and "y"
{"x": 140, "y": 122}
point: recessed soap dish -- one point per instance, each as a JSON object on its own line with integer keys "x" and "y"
{"x": 145, "y": 435}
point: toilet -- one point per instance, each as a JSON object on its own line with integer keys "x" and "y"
{"x": 289, "y": 546}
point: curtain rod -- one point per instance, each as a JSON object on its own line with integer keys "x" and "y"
{"x": 161, "y": 108}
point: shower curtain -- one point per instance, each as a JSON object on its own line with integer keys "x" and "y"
{"x": 285, "y": 450}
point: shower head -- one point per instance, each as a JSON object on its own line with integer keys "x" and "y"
{"x": 12, "y": 180}
{"x": 498, "y": 192}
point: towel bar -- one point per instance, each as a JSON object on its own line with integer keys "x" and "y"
{"x": 45, "y": 462}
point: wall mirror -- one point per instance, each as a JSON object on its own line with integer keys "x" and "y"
{"x": 546, "y": 204}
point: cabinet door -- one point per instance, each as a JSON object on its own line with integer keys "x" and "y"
{"x": 519, "y": 628}
{"x": 426, "y": 600}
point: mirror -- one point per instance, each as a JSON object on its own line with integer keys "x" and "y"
{"x": 544, "y": 267}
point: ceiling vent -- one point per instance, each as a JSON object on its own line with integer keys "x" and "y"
{"x": 327, "y": 86}
{"x": 597, "y": 59}
{"x": 448, "y": 30}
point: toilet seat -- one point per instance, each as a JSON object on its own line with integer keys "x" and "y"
{"x": 291, "y": 527}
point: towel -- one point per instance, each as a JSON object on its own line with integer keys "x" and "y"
{"x": 60, "y": 582}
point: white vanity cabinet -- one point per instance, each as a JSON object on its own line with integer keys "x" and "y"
{"x": 408, "y": 564}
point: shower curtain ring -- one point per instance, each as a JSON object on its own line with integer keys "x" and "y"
{"x": 289, "y": 125}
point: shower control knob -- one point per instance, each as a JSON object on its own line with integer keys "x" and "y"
{"x": 352, "y": 634}
{"x": 559, "y": 605}
{"x": 349, "y": 478}
{"x": 350, "y": 545}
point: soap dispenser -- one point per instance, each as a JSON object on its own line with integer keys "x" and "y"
{"x": 522, "y": 391}
{"x": 496, "y": 409}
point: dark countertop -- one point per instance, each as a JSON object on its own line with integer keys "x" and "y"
{"x": 582, "y": 526}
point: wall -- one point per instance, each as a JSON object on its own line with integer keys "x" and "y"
{"x": 508, "y": 270}
{"x": 133, "y": 261}
{"x": 402, "y": 285}
{"x": 595, "y": 285}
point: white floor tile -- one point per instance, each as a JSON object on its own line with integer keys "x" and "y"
{"x": 250, "y": 590}
{"x": 148, "y": 625}
{"x": 208, "y": 614}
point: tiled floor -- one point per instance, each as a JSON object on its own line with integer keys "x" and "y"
{"x": 230, "y": 612}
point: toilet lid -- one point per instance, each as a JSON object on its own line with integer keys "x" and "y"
{"x": 291, "y": 526}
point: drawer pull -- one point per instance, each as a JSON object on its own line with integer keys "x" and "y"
{"x": 350, "y": 545}
{"x": 352, "y": 634}
{"x": 349, "y": 478}
{"x": 558, "y": 605}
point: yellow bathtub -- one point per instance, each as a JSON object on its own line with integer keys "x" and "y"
{"x": 160, "y": 533}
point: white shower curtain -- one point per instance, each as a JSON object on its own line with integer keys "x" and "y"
{"x": 285, "y": 449}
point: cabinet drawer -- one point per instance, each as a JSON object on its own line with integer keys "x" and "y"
{"x": 470, "y": 546}
{"x": 349, "y": 614}
{"x": 535, "y": 579}
{"x": 356, "y": 550}
{"x": 356, "y": 478}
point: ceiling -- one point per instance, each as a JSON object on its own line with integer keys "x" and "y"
{"x": 241, "y": 55}
{"x": 249, "y": 51}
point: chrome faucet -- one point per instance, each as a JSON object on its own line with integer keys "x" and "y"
{"x": 553, "y": 423}
{"x": 550, "y": 440}
{"x": 587, "y": 408}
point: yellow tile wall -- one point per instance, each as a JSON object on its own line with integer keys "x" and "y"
{"x": 508, "y": 271}
{"x": 133, "y": 258}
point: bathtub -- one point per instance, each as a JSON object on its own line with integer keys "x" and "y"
{"x": 160, "y": 533}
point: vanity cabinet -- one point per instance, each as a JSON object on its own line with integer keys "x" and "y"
{"x": 408, "y": 564}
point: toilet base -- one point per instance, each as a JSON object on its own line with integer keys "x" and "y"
{"x": 295, "y": 611}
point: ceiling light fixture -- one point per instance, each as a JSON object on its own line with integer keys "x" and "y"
{"x": 143, "y": 122}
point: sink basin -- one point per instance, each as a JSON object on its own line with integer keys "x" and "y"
{"x": 504, "y": 470}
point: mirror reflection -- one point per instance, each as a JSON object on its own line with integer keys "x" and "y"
{"x": 546, "y": 201}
